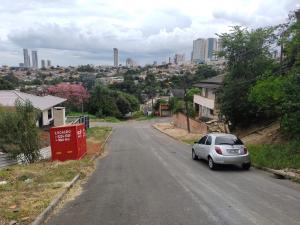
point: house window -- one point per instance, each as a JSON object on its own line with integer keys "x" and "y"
{"x": 49, "y": 114}
{"x": 211, "y": 111}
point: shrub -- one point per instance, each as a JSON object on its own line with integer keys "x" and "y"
{"x": 291, "y": 107}
{"x": 19, "y": 134}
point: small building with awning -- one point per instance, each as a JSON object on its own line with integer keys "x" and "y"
{"x": 44, "y": 104}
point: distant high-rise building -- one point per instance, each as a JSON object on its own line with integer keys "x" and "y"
{"x": 48, "y": 63}
{"x": 129, "y": 62}
{"x": 154, "y": 63}
{"x": 34, "y": 57}
{"x": 212, "y": 48}
{"x": 179, "y": 59}
{"x": 43, "y": 63}
{"x": 21, "y": 64}
{"x": 199, "y": 50}
{"x": 170, "y": 60}
{"x": 116, "y": 57}
{"x": 26, "y": 58}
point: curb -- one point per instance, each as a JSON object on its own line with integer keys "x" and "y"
{"x": 170, "y": 136}
{"x": 102, "y": 147}
{"x": 40, "y": 219}
{"x": 279, "y": 174}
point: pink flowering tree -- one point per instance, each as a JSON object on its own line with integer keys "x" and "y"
{"x": 76, "y": 94}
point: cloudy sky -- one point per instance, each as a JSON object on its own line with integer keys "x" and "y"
{"x": 73, "y": 32}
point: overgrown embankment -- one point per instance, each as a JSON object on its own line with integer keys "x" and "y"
{"x": 30, "y": 188}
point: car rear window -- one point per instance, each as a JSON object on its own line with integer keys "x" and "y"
{"x": 228, "y": 141}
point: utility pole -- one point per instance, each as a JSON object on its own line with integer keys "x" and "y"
{"x": 186, "y": 104}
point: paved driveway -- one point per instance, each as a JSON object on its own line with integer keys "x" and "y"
{"x": 149, "y": 178}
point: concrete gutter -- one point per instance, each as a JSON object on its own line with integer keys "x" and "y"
{"x": 44, "y": 215}
{"x": 41, "y": 218}
{"x": 279, "y": 173}
{"x": 102, "y": 147}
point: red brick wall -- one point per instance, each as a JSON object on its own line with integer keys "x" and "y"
{"x": 179, "y": 121}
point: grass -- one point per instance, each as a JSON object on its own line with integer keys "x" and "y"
{"x": 189, "y": 141}
{"x": 80, "y": 114}
{"x": 279, "y": 156}
{"x": 99, "y": 133}
{"x": 142, "y": 118}
{"x": 30, "y": 188}
{"x": 106, "y": 119}
{"x": 93, "y": 118}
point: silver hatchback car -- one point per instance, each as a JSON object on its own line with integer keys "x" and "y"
{"x": 221, "y": 148}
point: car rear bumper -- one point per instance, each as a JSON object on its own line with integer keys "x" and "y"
{"x": 237, "y": 159}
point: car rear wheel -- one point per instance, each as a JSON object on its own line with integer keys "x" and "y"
{"x": 246, "y": 166}
{"x": 194, "y": 156}
{"x": 211, "y": 163}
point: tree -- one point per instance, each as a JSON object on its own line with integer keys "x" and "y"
{"x": 123, "y": 105}
{"x": 88, "y": 81}
{"x": 248, "y": 55}
{"x": 19, "y": 134}
{"x": 291, "y": 107}
{"x": 76, "y": 94}
{"x": 268, "y": 95}
{"x": 191, "y": 92}
{"x": 107, "y": 102}
{"x": 86, "y": 68}
{"x": 150, "y": 86}
{"x": 204, "y": 71}
{"x": 6, "y": 85}
{"x": 134, "y": 102}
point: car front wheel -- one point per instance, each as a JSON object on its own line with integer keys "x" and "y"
{"x": 211, "y": 163}
{"x": 194, "y": 156}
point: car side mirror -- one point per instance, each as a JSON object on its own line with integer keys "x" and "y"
{"x": 196, "y": 142}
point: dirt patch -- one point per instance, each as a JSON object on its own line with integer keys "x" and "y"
{"x": 269, "y": 134}
{"x": 178, "y": 133}
{"x": 94, "y": 146}
{"x": 44, "y": 138}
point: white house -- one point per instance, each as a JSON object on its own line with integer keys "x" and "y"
{"x": 205, "y": 102}
{"x": 45, "y": 104}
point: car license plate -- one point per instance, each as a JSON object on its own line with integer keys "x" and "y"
{"x": 234, "y": 151}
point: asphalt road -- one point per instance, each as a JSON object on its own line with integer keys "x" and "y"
{"x": 149, "y": 178}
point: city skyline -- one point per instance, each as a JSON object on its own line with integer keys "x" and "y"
{"x": 35, "y": 63}
{"x": 69, "y": 31}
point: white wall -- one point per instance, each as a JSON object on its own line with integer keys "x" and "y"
{"x": 208, "y": 103}
{"x": 46, "y": 121}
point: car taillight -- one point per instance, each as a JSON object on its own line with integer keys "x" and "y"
{"x": 218, "y": 150}
{"x": 245, "y": 150}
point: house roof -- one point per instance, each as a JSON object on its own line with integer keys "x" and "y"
{"x": 179, "y": 93}
{"x": 216, "y": 79}
{"x": 212, "y": 82}
{"x": 8, "y": 98}
{"x": 210, "y": 86}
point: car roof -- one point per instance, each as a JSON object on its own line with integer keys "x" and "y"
{"x": 221, "y": 135}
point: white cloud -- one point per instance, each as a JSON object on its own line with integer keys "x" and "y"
{"x": 85, "y": 31}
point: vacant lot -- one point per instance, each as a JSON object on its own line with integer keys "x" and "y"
{"x": 30, "y": 188}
